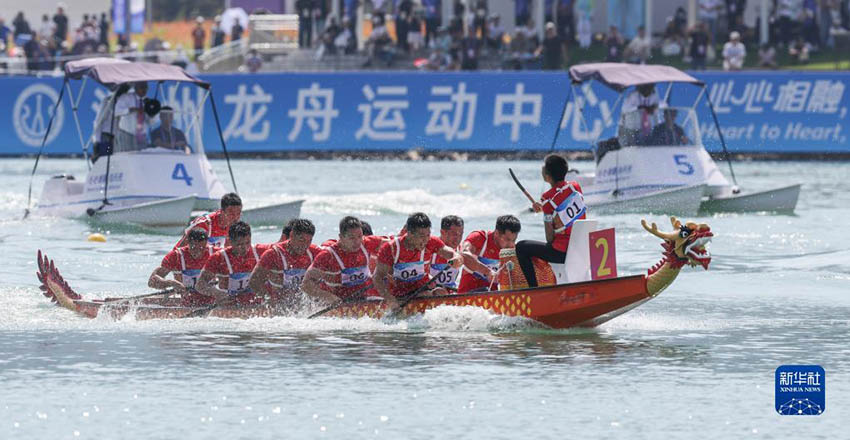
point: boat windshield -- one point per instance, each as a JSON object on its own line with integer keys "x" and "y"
{"x": 665, "y": 126}
{"x": 174, "y": 128}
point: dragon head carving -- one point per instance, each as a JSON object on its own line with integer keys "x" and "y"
{"x": 688, "y": 244}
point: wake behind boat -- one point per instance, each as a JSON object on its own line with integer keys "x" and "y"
{"x": 577, "y": 302}
{"x": 148, "y": 166}
{"x": 656, "y": 160}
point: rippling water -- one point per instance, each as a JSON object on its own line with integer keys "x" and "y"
{"x": 697, "y": 362}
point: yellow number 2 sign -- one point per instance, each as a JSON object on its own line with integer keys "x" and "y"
{"x": 603, "y": 255}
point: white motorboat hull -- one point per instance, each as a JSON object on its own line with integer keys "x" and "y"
{"x": 156, "y": 214}
{"x": 683, "y": 201}
{"x": 272, "y": 215}
{"x": 780, "y": 200}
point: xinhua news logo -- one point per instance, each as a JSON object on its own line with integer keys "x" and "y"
{"x": 800, "y": 390}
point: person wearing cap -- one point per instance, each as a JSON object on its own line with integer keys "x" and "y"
{"x": 130, "y": 116}
{"x": 198, "y": 35}
{"x": 167, "y": 135}
{"x": 552, "y": 49}
{"x": 217, "y": 32}
{"x": 734, "y": 52}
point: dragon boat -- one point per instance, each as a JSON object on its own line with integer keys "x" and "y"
{"x": 573, "y": 304}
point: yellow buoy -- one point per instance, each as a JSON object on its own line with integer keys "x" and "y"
{"x": 97, "y": 237}
{"x": 464, "y": 186}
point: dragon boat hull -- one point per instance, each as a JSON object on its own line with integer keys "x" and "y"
{"x": 584, "y": 304}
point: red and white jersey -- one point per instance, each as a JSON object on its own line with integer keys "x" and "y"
{"x": 287, "y": 270}
{"x": 446, "y": 275}
{"x": 180, "y": 261}
{"x": 409, "y": 267}
{"x": 344, "y": 273}
{"x": 211, "y": 223}
{"x": 563, "y": 205}
{"x": 237, "y": 270}
{"x": 488, "y": 255}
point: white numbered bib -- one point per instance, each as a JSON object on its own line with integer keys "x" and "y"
{"x": 238, "y": 283}
{"x": 190, "y": 278}
{"x": 570, "y": 210}
{"x": 409, "y": 272}
{"x": 445, "y": 275}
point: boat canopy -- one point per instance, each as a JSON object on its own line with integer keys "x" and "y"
{"x": 112, "y": 72}
{"x": 620, "y": 76}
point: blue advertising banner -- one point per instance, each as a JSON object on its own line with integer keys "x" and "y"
{"x": 776, "y": 112}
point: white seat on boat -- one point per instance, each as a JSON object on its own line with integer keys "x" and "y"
{"x": 578, "y": 254}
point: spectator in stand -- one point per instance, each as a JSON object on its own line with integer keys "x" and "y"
{"x": 495, "y": 33}
{"x": 4, "y": 35}
{"x": 438, "y": 60}
{"x": 734, "y": 52}
{"x": 61, "y": 21}
{"x": 734, "y": 11}
{"x": 709, "y": 11}
{"x": 566, "y": 21}
{"x": 799, "y": 51}
{"x": 519, "y": 51}
{"x": 552, "y": 49}
{"x": 402, "y": 24}
{"x": 415, "y": 39}
{"x": 22, "y": 33}
{"x": 217, "y": 33}
{"x": 254, "y": 62}
{"x": 198, "y": 36}
{"x": 379, "y": 42}
{"x": 181, "y": 60}
{"x": 681, "y": 21}
{"x": 470, "y": 52}
{"x": 614, "y": 43}
{"x": 344, "y": 40}
{"x": 767, "y": 56}
{"x": 639, "y": 49}
{"x": 479, "y": 20}
{"x": 305, "y": 22}
{"x": 699, "y": 46}
{"x": 522, "y": 12}
{"x": 327, "y": 37}
{"x": 810, "y": 24}
{"x": 531, "y": 34}
{"x": 788, "y": 13}
{"x": 673, "y": 42}
{"x": 320, "y": 16}
{"x": 236, "y": 31}
{"x": 47, "y": 28}
{"x": 432, "y": 20}
{"x": 104, "y": 29}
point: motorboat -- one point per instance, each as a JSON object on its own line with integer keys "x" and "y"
{"x": 146, "y": 161}
{"x": 655, "y": 161}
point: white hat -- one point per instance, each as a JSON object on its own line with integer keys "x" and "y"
{"x": 200, "y": 19}
{"x": 550, "y": 25}
{"x": 734, "y": 35}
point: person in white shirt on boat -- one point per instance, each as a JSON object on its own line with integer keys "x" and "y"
{"x": 131, "y": 118}
{"x": 638, "y": 115}
{"x": 167, "y": 135}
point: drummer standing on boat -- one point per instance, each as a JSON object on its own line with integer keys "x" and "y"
{"x": 451, "y": 233}
{"x": 186, "y": 264}
{"x": 232, "y": 266}
{"x": 403, "y": 263}
{"x": 480, "y": 253}
{"x": 341, "y": 270}
{"x": 217, "y": 223}
{"x": 561, "y": 205}
{"x": 282, "y": 268}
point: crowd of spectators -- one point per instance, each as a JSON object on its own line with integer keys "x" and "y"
{"x": 414, "y": 33}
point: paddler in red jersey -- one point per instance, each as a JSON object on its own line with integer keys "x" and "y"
{"x": 186, "y": 264}
{"x": 403, "y": 263}
{"x": 341, "y": 270}
{"x": 561, "y": 205}
{"x": 217, "y": 223}
{"x": 281, "y": 269}
{"x": 480, "y": 253}
{"x": 451, "y": 233}
{"x": 232, "y": 266}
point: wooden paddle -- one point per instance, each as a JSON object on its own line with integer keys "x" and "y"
{"x": 521, "y": 188}
{"x": 353, "y": 298}
{"x": 168, "y": 291}
{"x": 410, "y": 296}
